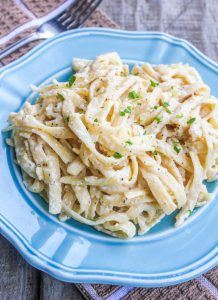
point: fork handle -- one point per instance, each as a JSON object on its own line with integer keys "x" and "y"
{"x": 29, "y": 38}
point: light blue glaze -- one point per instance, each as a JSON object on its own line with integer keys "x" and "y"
{"x": 75, "y": 252}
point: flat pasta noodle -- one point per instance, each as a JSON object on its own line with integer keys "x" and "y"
{"x": 52, "y": 178}
{"x": 119, "y": 150}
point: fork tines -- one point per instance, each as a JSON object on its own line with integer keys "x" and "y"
{"x": 78, "y": 13}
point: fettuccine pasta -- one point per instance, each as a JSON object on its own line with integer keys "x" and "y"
{"x": 119, "y": 150}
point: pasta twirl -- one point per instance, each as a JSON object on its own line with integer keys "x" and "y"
{"x": 119, "y": 150}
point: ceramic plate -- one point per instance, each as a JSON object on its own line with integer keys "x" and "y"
{"x": 75, "y": 252}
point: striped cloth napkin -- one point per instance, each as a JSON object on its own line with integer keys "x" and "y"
{"x": 20, "y": 16}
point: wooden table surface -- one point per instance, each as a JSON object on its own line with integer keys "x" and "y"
{"x": 193, "y": 20}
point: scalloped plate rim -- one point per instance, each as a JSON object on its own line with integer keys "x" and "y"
{"x": 184, "y": 43}
{"x": 73, "y": 277}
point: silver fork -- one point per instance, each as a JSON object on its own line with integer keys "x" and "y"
{"x": 74, "y": 16}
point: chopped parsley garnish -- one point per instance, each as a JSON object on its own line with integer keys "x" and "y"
{"x": 127, "y": 110}
{"x": 179, "y": 116}
{"x": 117, "y": 155}
{"x": 176, "y": 147}
{"x": 166, "y": 105}
{"x": 67, "y": 119}
{"x": 190, "y": 121}
{"x": 158, "y": 119}
{"x": 128, "y": 142}
{"x": 81, "y": 111}
{"x": 96, "y": 120}
{"x": 168, "y": 110}
{"x": 190, "y": 212}
{"x": 153, "y": 83}
{"x": 60, "y": 97}
{"x": 139, "y": 103}
{"x": 122, "y": 113}
{"x": 156, "y": 107}
{"x": 144, "y": 132}
{"x": 133, "y": 95}
{"x": 71, "y": 81}
{"x": 155, "y": 153}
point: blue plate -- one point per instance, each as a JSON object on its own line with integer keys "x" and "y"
{"x": 75, "y": 252}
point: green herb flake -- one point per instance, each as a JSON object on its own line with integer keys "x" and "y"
{"x": 153, "y": 83}
{"x": 191, "y": 121}
{"x": 122, "y": 113}
{"x": 60, "y": 97}
{"x": 158, "y": 119}
{"x": 176, "y": 147}
{"x": 155, "y": 153}
{"x": 96, "y": 120}
{"x": 179, "y": 116}
{"x": 127, "y": 110}
{"x": 133, "y": 95}
{"x": 128, "y": 143}
{"x": 190, "y": 212}
{"x": 166, "y": 105}
{"x": 117, "y": 155}
{"x": 71, "y": 81}
{"x": 139, "y": 103}
{"x": 156, "y": 107}
{"x": 67, "y": 119}
{"x": 144, "y": 132}
{"x": 81, "y": 111}
{"x": 168, "y": 111}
